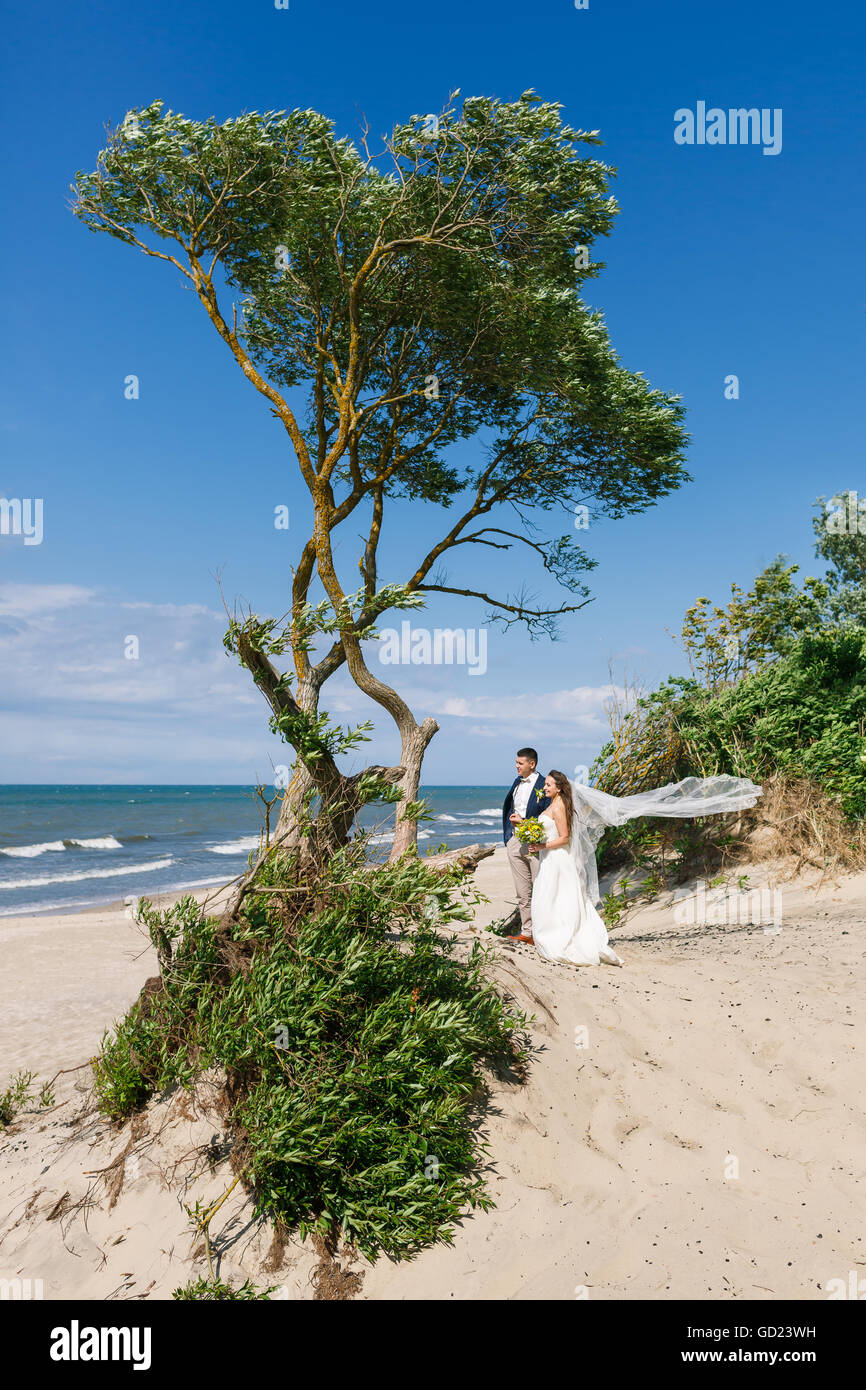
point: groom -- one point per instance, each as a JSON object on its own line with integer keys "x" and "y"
{"x": 524, "y": 801}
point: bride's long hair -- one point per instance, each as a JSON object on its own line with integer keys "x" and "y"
{"x": 563, "y": 786}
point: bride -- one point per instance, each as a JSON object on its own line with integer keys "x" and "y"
{"x": 566, "y": 926}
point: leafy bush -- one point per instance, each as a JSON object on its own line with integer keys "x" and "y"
{"x": 19, "y": 1094}
{"x": 217, "y": 1291}
{"x": 15, "y": 1097}
{"x": 800, "y": 718}
{"x": 803, "y": 716}
{"x": 350, "y": 1036}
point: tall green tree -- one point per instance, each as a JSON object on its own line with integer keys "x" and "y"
{"x": 724, "y": 643}
{"x": 396, "y": 302}
{"x": 840, "y": 539}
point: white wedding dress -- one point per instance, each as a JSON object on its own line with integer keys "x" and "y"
{"x": 566, "y": 927}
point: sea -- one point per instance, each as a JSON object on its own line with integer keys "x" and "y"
{"x": 70, "y": 847}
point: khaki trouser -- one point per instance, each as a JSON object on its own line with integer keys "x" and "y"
{"x": 524, "y": 867}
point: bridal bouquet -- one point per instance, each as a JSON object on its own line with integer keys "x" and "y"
{"x": 530, "y": 832}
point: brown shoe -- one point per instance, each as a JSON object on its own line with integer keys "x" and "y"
{"x": 528, "y": 939}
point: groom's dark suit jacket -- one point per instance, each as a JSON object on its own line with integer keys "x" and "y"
{"x": 534, "y": 806}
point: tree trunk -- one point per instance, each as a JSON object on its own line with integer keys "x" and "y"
{"x": 288, "y": 827}
{"x": 414, "y": 738}
{"x": 340, "y": 796}
{"x": 341, "y": 800}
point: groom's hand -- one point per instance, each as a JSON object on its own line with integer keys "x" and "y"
{"x": 514, "y": 818}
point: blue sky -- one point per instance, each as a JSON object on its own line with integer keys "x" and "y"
{"x": 722, "y": 261}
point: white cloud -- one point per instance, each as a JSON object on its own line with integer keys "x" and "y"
{"x": 75, "y": 708}
{"x": 581, "y": 709}
{"x": 31, "y": 600}
{"x": 70, "y": 695}
{"x": 174, "y": 610}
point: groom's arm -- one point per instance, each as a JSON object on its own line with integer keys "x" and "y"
{"x": 507, "y": 809}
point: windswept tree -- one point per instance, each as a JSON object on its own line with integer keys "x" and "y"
{"x": 840, "y": 538}
{"x": 395, "y": 303}
{"x": 723, "y": 644}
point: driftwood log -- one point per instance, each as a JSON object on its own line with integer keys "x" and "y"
{"x": 468, "y": 858}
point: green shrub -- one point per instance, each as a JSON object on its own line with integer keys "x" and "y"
{"x": 351, "y": 1037}
{"x": 15, "y": 1097}
{"x": 801, "y": 716}
{"x": 215, "y": 1290}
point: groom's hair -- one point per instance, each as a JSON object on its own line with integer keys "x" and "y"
{"x": 528, "y": 753}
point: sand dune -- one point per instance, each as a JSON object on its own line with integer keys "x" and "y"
{"x": 692, "y": 1127}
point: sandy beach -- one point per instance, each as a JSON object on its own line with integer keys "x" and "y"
{"x": 692, "y": 1125}
{"x": 66, "y": 977}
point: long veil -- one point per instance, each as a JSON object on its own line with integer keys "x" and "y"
{"x": 594, "y": 811}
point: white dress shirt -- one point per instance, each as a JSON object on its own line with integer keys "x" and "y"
{"x": 520, "y": 798}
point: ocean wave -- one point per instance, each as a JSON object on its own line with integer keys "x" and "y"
{"x": 387, "y": 837}
{"x": 103, "y": 842}
{"x": 463, "y": 816}
{"x": 84, "y": 874}
{"x": 241, "y": 846}
{"x": 31, "y": 851}
{"x": 481, "y": 833}
{"x": 55, "y": 846}
{"x": 181, "y": 887}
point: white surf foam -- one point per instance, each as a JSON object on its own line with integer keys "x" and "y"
{"x": 31, "y": 851}
{"x": 94, "y": 873}
{"x": 241, "y": 846}
{"x": 56, "y": 846}
{"x": 102, "y": 842}
{"x": 388, "y": 837}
